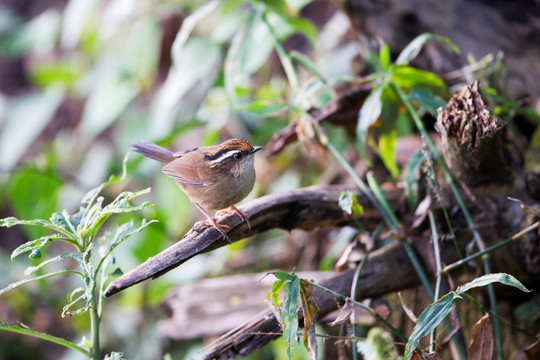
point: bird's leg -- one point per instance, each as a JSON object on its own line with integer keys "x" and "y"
{"x": 211, "y": 222}
{"x": 243, "y": 216}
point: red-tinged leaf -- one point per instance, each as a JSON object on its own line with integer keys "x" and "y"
{"x": 481, "y": 346}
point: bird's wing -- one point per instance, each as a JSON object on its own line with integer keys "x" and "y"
{"x": 184, "y": 170}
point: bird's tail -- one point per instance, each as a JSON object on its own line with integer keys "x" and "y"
{"x": 153, "y": 151}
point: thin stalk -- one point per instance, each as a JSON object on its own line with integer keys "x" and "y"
{"x": 283, "y": 57}
{"x": 353, "y": 296}
{"x": 461, "y": 204}
{"x": 44, "y": 336}
{"x": 436, "y": 251}
{"x": 362, "y": 306}
{"x": 408, "y": 248}
{"x": 479, "y": 254}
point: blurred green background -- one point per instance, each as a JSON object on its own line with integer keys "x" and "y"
{"x": 80, "y": 80}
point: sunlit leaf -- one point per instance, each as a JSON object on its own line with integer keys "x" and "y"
{"x": 109, "y": 97}
{"x": 387, "y": 151}
{"x": 195, "y": 73}
{"x": 75, "y": 19}
{"x": 265, "y": 108}
{"x": 35, "y": 244}
{"x": 484, "y": 280}
{"x": 414, "y": 47}
{"x": 24, "y": 120}
{"x": 349, "y": 203}
{"x": 384, "y": 57}
{"x": 189, "y": 23}
{"x": 273, "y": 294}
{"x": 369, "y": 114}
{"x": 409, "y": 78}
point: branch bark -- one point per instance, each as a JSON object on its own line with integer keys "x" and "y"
{"x": 300, "y": 209}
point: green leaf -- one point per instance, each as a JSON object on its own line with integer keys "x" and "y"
{"x": 484, "y": 280}
{"x": 62, "y": 221}
{"x": 39, "y": 335}
{"x": 265, "y": 108}
{"x": 289, "y": 313}
{"x": 384, "y": 57}
{"x": 368, "y": 115}
{"x": 387, "y": 151}
{"x": 109, "y": 97}
{"x": 409, "y": 78}
{"x": 411, "y": 175}
{"x": 430, "y": 318}
{"x": 349, "y": 203}
{"x": 35, "y": 244}
{"x": 33, "y": 194}
{"x": 282, "y": 275}
{"x": 414, "y": 47}
{"x": 274, "y": 293}
{"x": 426, "y": 100}
{"x": 189, "y": 23}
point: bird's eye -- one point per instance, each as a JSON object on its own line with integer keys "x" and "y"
{"x": 238, "y": 156}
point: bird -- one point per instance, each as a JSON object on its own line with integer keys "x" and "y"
{"x": 213, "y": 177}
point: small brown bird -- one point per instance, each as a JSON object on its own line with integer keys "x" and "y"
{"x": 212, "y": 177}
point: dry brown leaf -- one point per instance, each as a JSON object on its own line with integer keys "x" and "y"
{"x": 532, "y": 352}
{"x": 481, "y": 346}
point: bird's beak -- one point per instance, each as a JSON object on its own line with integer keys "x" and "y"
{"x": 255, "y": 149}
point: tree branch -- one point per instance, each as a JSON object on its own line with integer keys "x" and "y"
{"x": 300, "y": 209}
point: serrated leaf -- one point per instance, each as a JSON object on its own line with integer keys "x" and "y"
{"x": 484, "y": 280}
{"x": 61, "y": 221}
{"x": 430, "y": 318}
{"x": 414, "y": 47}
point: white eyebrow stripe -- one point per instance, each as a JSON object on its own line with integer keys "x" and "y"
{"x": 225, "y": 156}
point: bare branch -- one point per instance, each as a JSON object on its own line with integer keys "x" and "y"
{"x": 300, "y": 209}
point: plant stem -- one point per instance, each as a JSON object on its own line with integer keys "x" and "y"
{"x": 94, "y": 324}
{"x": 501, "y": 244}
{"x": 362, "y": 306}
{"x": 39, "y": 335}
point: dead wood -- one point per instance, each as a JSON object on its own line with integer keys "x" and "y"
{"x": 472, "y": 139}
{"x": 388, "y": 270}
{"x": 300, "y": 209}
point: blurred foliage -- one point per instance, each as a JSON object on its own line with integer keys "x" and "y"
{"x": 87, "y": 77}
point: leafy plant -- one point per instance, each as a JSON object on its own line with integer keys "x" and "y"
{"x": 93, "y": 246}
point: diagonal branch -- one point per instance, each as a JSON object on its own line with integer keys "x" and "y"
{"x": 300, "y": 209}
